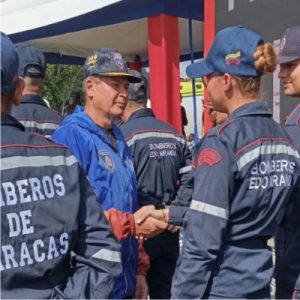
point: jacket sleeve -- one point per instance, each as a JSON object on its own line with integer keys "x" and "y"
{"x": 209, "y": 211}
{"x": 144, "y": 261}
{"x": 185, "y": 179}
{"x": 123, "y": 224}
{"x": 96, "y": 256}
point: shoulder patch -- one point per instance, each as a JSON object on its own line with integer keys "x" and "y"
{"x": 209, "y": 156}
{"x": 106, "y": 159}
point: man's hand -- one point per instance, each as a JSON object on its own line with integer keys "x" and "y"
{"x": 161, "y": 214}
{"x": 143, "y": 213}
{"x": 141, "y": 290}
{"x": 149, "y": 228}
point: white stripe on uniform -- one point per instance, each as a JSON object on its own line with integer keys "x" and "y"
{"x": 34, "y": 124}
{"x": 265, "y": 149}
{"x": 209, "y": 209}
{"x": 145, "y": 135}
{"x": 8, "y": 163}
{"x": 108, "y": 255}
{"x": 185, "y": 169}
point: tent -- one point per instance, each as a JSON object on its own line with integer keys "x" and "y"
{"x": 158, "y": 31}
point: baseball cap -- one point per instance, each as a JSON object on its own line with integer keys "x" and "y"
{"x": 32, "y": 61}
{"x": 289, "y": 49}
{"x": 231, "y": 52}
{"x": 9, "y": 64}
{"x": 107, "y": 62}
{"x": 138, "y": 91}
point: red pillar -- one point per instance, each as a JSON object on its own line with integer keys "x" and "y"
{"x": 163, "y": 45}
{"x": 209, "y": 34}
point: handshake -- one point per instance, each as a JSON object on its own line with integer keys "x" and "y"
{"x": 143, "y": 224}
{"x": 150, "y": 222}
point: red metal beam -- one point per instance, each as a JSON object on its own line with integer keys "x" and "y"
{"x": 209, "y": 34}
{"x": 163, "y": 45}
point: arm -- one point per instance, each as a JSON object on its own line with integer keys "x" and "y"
{"x": 97, "y": 259}
{"x": 185, "y": 179}
{"x": 138, "y": 224}
{"x": 209, "y": 209}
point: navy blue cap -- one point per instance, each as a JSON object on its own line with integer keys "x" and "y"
{"x": 107, "y": 62}
{"x": 231, "y": 52}
{"x": 32, "y": 61}
{"x": 9, "y": 64}
{"x": 138, "y": 91}
{"x": 289, "y": 49}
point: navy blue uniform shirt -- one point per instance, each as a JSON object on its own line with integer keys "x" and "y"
{"x": 49, "y": 214}
{"x": 36, "y": 116}
{"x": 245, "y": 171}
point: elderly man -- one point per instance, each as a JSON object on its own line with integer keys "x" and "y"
{"x": 100, "y": 147}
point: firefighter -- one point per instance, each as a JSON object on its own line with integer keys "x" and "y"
{"x": 245, "y": 170}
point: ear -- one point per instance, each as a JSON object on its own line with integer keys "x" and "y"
{"x": 227, "y": 81}
{"x": 18, "y": 91}
{"x": 89, "y": 85}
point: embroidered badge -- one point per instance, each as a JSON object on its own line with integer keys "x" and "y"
{"x": 233, "y": 58}
{"x": 118, "y": 59}
{"x": 92, "y": 59}
{"x": 209, "y": 156}
{"x": 107, "y": 160}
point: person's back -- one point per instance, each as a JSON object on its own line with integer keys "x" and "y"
{"x": 33, "y": 112}
{"x": 287, "y": 239}
{"x": 55, "y": 240}
{"x": 162, "y": 162}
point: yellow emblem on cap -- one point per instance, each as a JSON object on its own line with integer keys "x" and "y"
{"x": 92, "y": 60}
{"x": 233, "y": 55}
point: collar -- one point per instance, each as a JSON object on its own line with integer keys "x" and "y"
{"x": 36, "y": 99}
{"x": 7, "y": 120}
{"x": 253, "y": 108}
{"x": 294, "y": 117}
{"x": 143, "y": 112}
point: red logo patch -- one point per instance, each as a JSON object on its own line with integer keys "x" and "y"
{"x": 209, "y": 156}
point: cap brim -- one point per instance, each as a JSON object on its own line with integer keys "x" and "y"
{"x": 283, "y": 59}
{"x": 131, "y": 78}
{"x": 198, "y": 69}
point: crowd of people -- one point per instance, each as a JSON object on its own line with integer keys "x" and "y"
{"x": 92, "y": 203}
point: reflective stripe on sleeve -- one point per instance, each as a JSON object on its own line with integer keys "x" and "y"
{"x": 34, "y": 124}
{"x": 144, "y": 135}
{"x": 209, "y": 209}
{"x": 265, "y": 149}
{"x": 13, "y": 162}
{"x": 185, "y": 169}
{"x": 108, "y": 255}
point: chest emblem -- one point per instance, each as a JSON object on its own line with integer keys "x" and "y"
{"x": 107, "y": 160}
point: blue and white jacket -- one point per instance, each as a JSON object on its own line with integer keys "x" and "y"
{"x": 111, "y": 175}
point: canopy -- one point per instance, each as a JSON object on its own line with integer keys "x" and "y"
{"x": 67, "y": 30}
